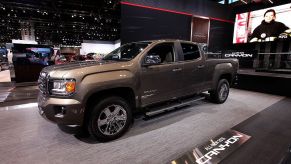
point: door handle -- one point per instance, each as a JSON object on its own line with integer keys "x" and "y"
{"x": 200, "y": 66}
{"x": 177, "y": 69}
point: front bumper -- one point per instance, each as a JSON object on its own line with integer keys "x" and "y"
{"x": 61, "y": 111}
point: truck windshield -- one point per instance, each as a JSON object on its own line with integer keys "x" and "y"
{"x": 127, "y": 52}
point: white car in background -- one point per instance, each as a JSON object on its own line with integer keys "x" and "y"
{"x": 4, "y": 65}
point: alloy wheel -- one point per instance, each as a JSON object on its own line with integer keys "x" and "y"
{"x": 223, "y": 92}
{"x": 112, "y": 119}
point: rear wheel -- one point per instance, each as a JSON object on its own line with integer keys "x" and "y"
{"x": 109, "y": 119}
{"x": 220, "y": 94}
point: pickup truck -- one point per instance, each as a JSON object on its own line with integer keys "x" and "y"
{"x": 103, "y": 96}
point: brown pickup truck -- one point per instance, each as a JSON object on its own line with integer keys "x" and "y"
{"x": 141, "y": 76}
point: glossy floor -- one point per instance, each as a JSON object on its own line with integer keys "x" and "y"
{"x": 11, "y": 93}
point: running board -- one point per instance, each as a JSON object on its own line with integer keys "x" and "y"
{"x": 166, "y": 108}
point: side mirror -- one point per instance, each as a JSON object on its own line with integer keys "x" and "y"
{"x": 152, "y": 60}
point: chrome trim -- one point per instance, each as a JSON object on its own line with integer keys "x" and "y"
{"x": 43, "y": 82}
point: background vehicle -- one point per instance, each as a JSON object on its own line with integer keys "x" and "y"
{"x": 82, "y": 58}
{"x": 103, "y": 96}
{"x": 3, "y": 59}
{"x": 95, "y": 56}
{"x": 4, "y": 65}
{"x": 61, "y": 59}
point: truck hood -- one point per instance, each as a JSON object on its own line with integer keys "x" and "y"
{"x": 82, "y": 67}
{"x": 75, "y": 65}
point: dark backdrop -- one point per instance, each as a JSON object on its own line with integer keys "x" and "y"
{"x": 145, "y": 24}
{"x": 196, "y": 7}
{"x": 220, "y": 35}
{"x": 139, "y": 23}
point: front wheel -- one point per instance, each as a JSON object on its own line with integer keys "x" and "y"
{"x": 110, "y": 119}
{"x": 220, "y": 94}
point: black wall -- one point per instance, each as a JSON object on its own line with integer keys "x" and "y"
{"x": 138, "y": 23}
{"x": 145, "y": 24}
{"x": 197, "y": 7}
{"x": 220, "y": 35}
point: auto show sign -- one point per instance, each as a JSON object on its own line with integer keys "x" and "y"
{"x": 214, "y": 150}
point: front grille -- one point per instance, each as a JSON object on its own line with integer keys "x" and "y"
{"x": 43, "y": 82}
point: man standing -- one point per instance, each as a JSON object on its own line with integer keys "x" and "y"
{"x": 269, "y": 29}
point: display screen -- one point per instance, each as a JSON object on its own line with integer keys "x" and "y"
{"x": 38, "y": 55}
{"x": 32, "y": 54}
{"x": 269, "y": 24}
{"x": 29, "y": 60}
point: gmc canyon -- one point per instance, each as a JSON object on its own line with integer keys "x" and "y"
{"x": 103, "y": 96}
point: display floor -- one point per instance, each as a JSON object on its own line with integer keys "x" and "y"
{"x": 25, "y": 137}
{"x": 271, "y": 136}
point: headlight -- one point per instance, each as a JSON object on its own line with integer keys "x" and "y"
{"x": 62, "y": 87}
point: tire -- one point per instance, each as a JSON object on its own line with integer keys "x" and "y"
{"x": 110, "y": 118}
{"x": 220, "y": 94}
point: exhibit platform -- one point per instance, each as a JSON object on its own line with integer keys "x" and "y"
{"x": 269, "y": 73}
{"x": 279, "y": 71}
{"x": 161, "y": 139}
{"x": 267, "y": 82}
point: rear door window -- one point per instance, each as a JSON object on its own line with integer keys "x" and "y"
{"x": 190, "y": 51}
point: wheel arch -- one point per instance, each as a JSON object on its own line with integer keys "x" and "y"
{"x": 226, "y": 76}
{"x": 124, "y": 92}
{"x": 223, "y": 70}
